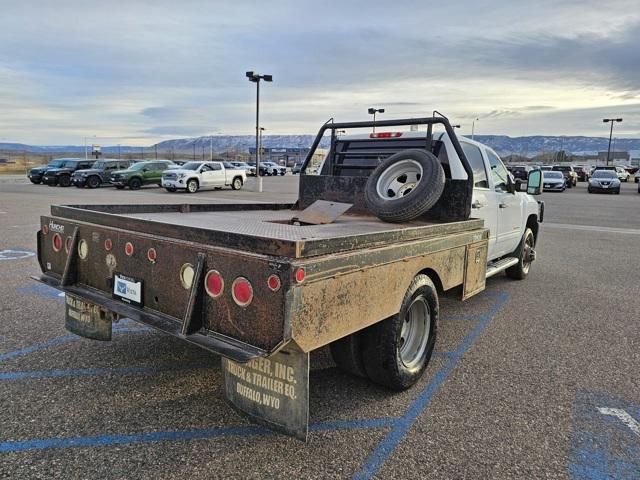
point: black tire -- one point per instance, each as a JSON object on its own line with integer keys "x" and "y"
{"x": 568, "y": 184}
{"x": 413, "y": 198}
{"x": 382, "y": 342}
{"x": 521, "y": 269}
{"x": 589, "y": 190}
{"x": 93, "y": 182}
{"x": 135, "y": 183}
{"x": 170, "y": 189}
{"x": 236, "y": 184}
{"x": 618, "y": 192}
{"x": 192, "y": 186}
{"x": 347, "y": 353}
{"x": 64, "y": 180}
{"x": 120, "y": 187}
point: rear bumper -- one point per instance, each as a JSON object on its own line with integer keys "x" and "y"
{"x": 214, "y": 342}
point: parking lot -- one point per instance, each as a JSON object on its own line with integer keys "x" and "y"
{"x": 530, "y": 379}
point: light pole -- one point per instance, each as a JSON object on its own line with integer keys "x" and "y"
{"x": 262, "y": 129}
{"x": 86, "y": 154}
{"x": 473, "y": 127}
{"x": 610, "y": 120}
{"x": 255, "y": 78}
{"x": 118, "y": 151}
{"x": 210, "y": 147}
{"x": 373, "y": 111}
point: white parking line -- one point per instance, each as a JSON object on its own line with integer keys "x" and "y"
{"x": 591, "y": 228}
{"x": 623, "y": 416}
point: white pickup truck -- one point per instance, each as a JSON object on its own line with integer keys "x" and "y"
{"x": 193, "y": 176}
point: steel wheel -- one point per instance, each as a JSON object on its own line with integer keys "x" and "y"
{"x": 414, "y": 334}
{"x": 399, "y": 180}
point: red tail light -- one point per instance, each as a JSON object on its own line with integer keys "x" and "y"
{"x": 67, "y": 244}
{"x": 242, "y": 291}
{"x": 273, "y": 282}
{"x": 57, "y": 242}
{"x": 300, "y": 274}
{"x": 214, "y": 284}
{"x": 108, "y": 244}
{"x": 152, "y": 255}
{"x": 385, "y": 135}
{"x": 128, "y": 249}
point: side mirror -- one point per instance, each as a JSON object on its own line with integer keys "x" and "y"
{"x": 534, "y": 182}
{"x": 145, "y": 169}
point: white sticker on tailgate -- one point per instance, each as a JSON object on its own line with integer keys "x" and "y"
{"x": 127, "y": 288}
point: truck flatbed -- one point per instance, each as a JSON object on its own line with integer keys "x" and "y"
{"x": 260, "y": 228}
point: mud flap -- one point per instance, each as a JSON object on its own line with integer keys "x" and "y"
{"x": 86, "y": 319}
{"x": 272, "y": 391}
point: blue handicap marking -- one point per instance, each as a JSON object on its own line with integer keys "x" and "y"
{"x": 10, "y": 254}
{"x": 42, "y": 291}
{"x": 606, "y": 438}
{"x": 122, "y": 288}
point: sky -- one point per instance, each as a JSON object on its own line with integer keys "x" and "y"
{"x": 138, "y": 72}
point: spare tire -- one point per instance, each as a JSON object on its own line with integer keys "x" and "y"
{"x": 404, "y": 186}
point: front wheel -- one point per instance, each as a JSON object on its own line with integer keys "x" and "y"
{"x": 526, "y": 254}
{"x": 192, "y": 186}
{"x": 135, "y": 183}
{"x": 396, "y": 351}
{"x": 65, "y": 181}
{"x": 237, "y": 183}
{"x": 93, "y": 182}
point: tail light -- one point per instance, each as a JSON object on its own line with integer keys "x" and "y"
{"x": 273, "y": 282}
{"x": 300, "y": 275}
{"x": 214, "y": 283}
{"x": 128, "y": 249}
{"x": 152, "y": 255}
{"x": 56, "y": 241}
{"x": 186, "y": 275}
{"x": 242, "y": 291}
{"x": 67, "y": 244}
{"x": 108, "y": 244}
{"x": 385, "y": 135}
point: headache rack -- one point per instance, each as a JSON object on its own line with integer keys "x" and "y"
{"x": 349, "y": 163}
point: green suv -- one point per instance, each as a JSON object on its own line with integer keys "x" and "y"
{"x": 141, "y": 173}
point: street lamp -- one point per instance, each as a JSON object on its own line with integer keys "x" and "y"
{"x": 610, "y": 120}
{"x": 255, "y": 78}
{"x": 373, "y": 111}
{"x": 473, "y": 127}
{"x": 262, "y": 129}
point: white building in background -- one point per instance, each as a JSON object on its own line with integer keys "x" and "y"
{"x": 634, "y": 157}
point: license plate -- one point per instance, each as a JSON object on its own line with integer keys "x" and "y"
{"x": 547, "y": 185}
{"x": 127, "y": 289}
{"x": 86, "y": 319}
{"x": 605, "y": 186}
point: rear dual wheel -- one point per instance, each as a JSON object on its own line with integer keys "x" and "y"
{"x": 395, "y": 352}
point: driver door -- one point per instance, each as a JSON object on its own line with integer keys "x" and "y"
{"x": 508, "y": 207}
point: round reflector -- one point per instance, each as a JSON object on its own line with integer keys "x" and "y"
{"x": 274, "y": 282}
{"x": 214, "y": 284}
{"x": 56, "y": 242}
{"x": 300, "y": 274}
{"x": 152, "y": 255}
{"x": 45, "y": 229}
{"x": 83, "y": 249}
{"x": 128, "y": 249}
{"x": 108, "y": 244}
{"x": 242, "y": 291}
{"x": 186, "y": 275}
{"x": 67, "y": 244}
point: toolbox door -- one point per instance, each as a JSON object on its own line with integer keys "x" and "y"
{"x": 475, "y": 269}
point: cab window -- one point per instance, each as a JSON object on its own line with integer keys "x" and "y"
{"x": 474, "y": 156}
{"x": 215, "y": 166}
{"x": 499, "y": 173}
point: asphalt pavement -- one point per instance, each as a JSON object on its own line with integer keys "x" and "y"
{"x": 530, "y": 379}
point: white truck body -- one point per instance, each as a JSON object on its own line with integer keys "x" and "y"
{"x": 208, "y": 175}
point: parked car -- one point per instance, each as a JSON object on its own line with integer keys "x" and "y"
{"x": 35, "y": 174}
{"x": 520, "y": 172}
{"x": 636, "y": 177}
{"x": 553, "y": 182}
{"x": 99, "y": 172}
{"x": 546, "y": 168}
{"x": 583, "y": 173}
{"x": 141, "y": 173}
{"x": 274, "y": 168}
{"x": 605, "y": 181}
{"x": 62, "y": 175}
{"x": 194, "y": 176}
{"x": 242, "y": 165}
{"x": 569, "y": 174}
{"x": 296, "y": 168}
{"x": 621, "y": 173}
